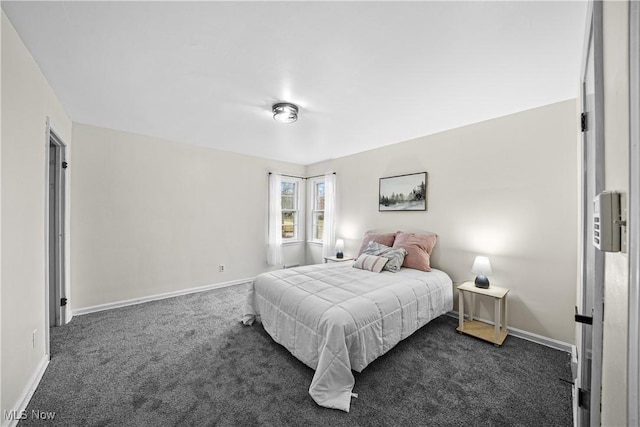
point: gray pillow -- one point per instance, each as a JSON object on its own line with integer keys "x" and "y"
{"x": 394, "y": 255}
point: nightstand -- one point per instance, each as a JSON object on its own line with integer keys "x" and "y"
{"x": 334, "y": 259}
{"x": 496, "y": 333}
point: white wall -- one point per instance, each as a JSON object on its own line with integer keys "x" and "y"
{"x": 152, "y": 216}
{"x": 616, "y": 127}
{"x": 27, "y": 100}
{"x": 505, "y": 188}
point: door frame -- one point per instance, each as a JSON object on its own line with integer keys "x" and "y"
{"x": 55, "y": 255}
{"x": 633, "y": 219}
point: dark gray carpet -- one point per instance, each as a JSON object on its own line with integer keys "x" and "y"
{"x": 186, "y": 361}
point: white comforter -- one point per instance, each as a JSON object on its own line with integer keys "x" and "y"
{"x": 336, "y": 318}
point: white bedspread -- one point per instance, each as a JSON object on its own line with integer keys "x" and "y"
{"x": 336, "y": 318}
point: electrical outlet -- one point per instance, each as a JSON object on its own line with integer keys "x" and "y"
{"x": 33, "y": 338}
{"x": 221, "y": 268}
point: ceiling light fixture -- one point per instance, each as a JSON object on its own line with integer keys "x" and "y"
{"x": 285, "y": 112}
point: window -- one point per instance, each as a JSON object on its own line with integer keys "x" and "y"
{"x": 290, "y": 203}
{"x": 317, "y": 210}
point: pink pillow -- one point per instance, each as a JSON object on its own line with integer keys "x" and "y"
{"x": 418, "y": 247}
{"x": 382, "y": 238}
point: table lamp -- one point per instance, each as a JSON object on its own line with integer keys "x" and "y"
{"x": 339, "y": 248}
{"x": 481, "y": 267}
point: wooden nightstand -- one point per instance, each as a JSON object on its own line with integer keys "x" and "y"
{"x": 495, "y": 334}
{"x": 334, "y": 259}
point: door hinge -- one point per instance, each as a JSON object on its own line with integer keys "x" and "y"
{"x": 583, "y": 122}
{"x": 65, "y": 165}
{"x": 63, "y": 302}
{"x": 580, "y": 318}
{"x": 583, "y": 398}
{"x": 588, "y": 320}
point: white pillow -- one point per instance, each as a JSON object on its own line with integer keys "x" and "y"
{"x": 371, "y": 262}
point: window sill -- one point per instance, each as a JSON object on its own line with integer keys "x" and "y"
{"x": 292, "y": 242}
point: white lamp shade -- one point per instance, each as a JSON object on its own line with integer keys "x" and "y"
{"x": 339, "y": 245}
{"x": 482, "y": 266}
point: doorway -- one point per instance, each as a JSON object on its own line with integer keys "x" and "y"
{"x": 56, "y": 233}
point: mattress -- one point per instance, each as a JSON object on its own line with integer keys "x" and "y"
{"x": 336, "y": 318}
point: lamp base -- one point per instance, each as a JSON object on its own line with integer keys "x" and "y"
{"x": 339, "y": 255}
{"x": 482, "y": 281}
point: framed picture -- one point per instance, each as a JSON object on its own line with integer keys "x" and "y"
{"x": 403, "y": 193}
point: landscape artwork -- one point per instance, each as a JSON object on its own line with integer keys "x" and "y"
{"x": 403, "y": 193}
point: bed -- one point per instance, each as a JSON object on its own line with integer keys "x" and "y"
{"x": 336, "y": 318}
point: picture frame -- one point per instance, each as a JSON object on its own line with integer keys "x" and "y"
{"x": 403, "y": 193}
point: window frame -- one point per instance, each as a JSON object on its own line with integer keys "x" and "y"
{"x": 313, "y": 183}
{"x": 298, "y": 211}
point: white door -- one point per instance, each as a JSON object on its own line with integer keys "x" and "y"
{"x": 56, "y": 231}
{"x": 633, "y": 356}
{"x": 591, "y": 308}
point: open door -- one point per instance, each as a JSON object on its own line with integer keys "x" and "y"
{"x": 633, "y": 356}
{"x": 56, "y": 233}
{"x": 590, "y": 310}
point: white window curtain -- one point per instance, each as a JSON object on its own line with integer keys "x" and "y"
{"x": 274, "y": 250}
{"x": 329, "y": 227}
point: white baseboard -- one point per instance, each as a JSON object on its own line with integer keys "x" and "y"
{"x": 529, "y": 336}
{"x": 125, "y": 303}
{"x": 27, "y": 394}
{"x": 549, "y": 342}
{"x": 69, "y": 316}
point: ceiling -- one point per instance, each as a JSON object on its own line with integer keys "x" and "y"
{"x": 364, "y": 74}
